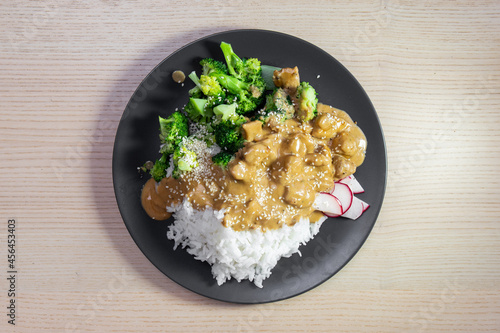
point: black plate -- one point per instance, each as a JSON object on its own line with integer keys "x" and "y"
{"x": 137, "y": 141}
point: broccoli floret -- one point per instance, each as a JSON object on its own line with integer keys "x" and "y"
{"x": 228, "y": 133}
{"x": 207, "y": 84}
{"x": 172, "y": 130}
{"x": 203, "y": 132}
{"x": 209, "y": 89}
{"x": 210, "y": 86}
{"x": 225, "y": 111}
{"x": 245, "y": 80}
{"x": 246, "y": 103}
{"x": 213, "y": 101}
{"x": 213, "y": 91}
{"x": 197, "y": 110}
{"x": 184, "y": 160}
{"x": 210, "y": 65}
{"x": 222, "y": 159}
{"x": 158, "y": 171}
{"x": 307, "y": 102}
{"x": 254, "y": 77}
{"x": 196, "y": 92}
{"x": 241, "y": 93}
{"x": 252, "y": 73}
{"x": 234, "y": 63}
{"x": 252, "y": 99}
{"x": 248, "y": 70}
{"x": 209, "y": 139}
{"x": 227, "y": 127}
{"x": 251, "y": 68}
{"x": 231, "y": 83}
{"x": 247, "y": 96}
{"x": 278, "y": 104}
{"x": 194, "y": 77}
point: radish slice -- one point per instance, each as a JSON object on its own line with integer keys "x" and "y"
{"x": 357, "y": 208}
{"x": 365, "y": 206}
{"x": 328, "y": 204}
{"x": 344, "y": 194}
{"x": 353, "y": 184}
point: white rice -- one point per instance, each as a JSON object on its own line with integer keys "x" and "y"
{"x": 236, "y": 254}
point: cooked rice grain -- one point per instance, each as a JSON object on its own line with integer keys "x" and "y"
{"x": 236, "y": 254}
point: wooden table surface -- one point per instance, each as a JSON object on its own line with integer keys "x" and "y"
{"x": 432, "y": 71}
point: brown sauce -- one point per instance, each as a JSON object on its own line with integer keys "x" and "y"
{"x": 178, "y": 76}
{"x": 274, "y": 179}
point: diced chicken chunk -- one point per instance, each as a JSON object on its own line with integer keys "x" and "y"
{"x": 252, "y": 130}
{"x": 287, "y": 78}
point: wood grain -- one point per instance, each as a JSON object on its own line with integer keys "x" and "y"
{"x": 432, "y": 70}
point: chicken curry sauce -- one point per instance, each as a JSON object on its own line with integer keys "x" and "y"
{"x": 273, "y": 180}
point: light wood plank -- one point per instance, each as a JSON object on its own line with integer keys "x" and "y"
{"x": 432, "y": 70}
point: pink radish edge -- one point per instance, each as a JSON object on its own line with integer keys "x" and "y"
{"x": 328, "y": 204}
{"x": 344, "y": 194}
{"x": 355, "y": 211}
{"x": 353, "y": 184}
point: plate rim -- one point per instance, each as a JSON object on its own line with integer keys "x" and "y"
{"x": 361, "y": 89}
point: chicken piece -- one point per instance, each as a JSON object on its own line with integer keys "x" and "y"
{"x": 288, "y": 79}
{"x": 342, "y": 167}
{"x": 255, "y": 153}
{"x": 344, "y": 144}
{"x": 240, "y": 170}
{"x": 300, "y": 194}
{"x": 252, "y": 130}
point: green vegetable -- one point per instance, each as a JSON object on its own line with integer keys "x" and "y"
{"x": 308, "y": 102}
{"x": 278, "y": 104}
{"x": 246, "y": 103}
{"x": 244, "y": 81}
{"x": 222, "y": 159}
{"x": 210, "y": 86}
{"x": 223, "y": 92}
{"x": 197, "y": 110}
{"x": 267, "y": 76}
{"x": 252, "y": 69}
{"x": 231, "y": 83}
{"x": 225, "y": 111}
{"x": 158, "y": 171}
{"x": 234, "y": 63}
{"x": 210, "y": 66}
{"x": 184, "y": 160}
{"x": 195, "y": 92}
{"x": 208, "y": 89}
{"x": 172, "y": 130}
{"x": 228, "y": 134}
